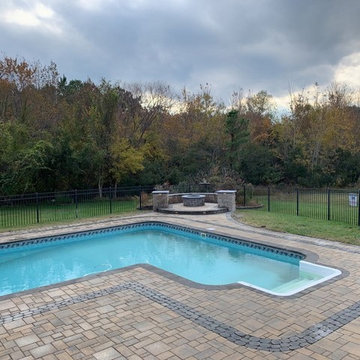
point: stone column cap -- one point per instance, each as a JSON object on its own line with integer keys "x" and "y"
{"x": 160, "y": 192}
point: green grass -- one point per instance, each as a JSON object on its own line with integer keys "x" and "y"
{"x": 300, "y": 225}
{"x": 313, "y": 205}
{"x": 72, "y": 221}
{"x": 24, "y": 216}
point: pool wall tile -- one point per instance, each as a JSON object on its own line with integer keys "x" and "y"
{"x": 248, "y": 246}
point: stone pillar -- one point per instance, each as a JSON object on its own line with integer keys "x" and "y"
{"x": 226, "y": 199}
{"x": 160, "y": 199}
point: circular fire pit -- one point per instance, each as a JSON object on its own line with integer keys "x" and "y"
{"x": 193, "y": 200}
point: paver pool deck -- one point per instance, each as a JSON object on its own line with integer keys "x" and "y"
{"x": 143, "y": 313}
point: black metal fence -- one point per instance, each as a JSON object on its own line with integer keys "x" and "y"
{"x": 41, "y": 208}
{"x": 327, "y": 204}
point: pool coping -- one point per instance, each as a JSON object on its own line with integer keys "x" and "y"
{"x": 308, "y": 255}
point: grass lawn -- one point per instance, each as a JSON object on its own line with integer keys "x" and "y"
{"x": 313, "y": 205}
{"x": 22, "y": 216}
{"x": 331, "y": 230}
{"x": 72, "y": 221}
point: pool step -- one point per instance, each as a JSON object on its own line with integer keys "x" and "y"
{"x": 291, "y": 285}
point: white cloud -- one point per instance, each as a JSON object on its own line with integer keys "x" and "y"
{"x": 95, "y": 5}
{"x": 257, "y": 45}
{"x": 21, "y": 17}
{"x": 348, "y": 70}
{"x": 43, "y": 11}
{"x": 36, "y": 16}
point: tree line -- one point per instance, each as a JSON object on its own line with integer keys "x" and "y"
{"x": 61, "y": 134}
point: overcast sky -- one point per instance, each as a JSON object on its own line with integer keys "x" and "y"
{"x": 231, "y": 44}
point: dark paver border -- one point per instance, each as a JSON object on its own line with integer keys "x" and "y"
{"x": 302, "y": 339}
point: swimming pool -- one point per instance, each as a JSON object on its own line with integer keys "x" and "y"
{"x": 201, "y": 257}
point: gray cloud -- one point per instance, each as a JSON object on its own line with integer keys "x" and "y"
{"x": 232, "y": 44}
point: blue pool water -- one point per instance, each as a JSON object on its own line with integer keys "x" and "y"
{"x": 203, "y": 259}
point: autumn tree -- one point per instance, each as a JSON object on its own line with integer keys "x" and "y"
{"x": 60, "y": 134}
{"x": 238, "y": 129}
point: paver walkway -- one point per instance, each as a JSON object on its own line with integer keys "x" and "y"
{"x": 142, "y": 313}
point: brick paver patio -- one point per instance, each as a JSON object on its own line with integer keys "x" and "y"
{"x": 143, "y": 313}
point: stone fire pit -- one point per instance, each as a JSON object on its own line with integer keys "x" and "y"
{"x": 193, "y": 200}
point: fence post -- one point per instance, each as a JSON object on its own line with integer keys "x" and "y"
{"x": 37, "y": 208}
{"x": 328, "y": 212}
{"x": 268, "y": 198}
{"x": 110, "y": 199}
{"x": 358, "y": 207}
{"x": 244, "y": 195}
{"x": 76, "y": 204}
{"x": 297, "y": 202}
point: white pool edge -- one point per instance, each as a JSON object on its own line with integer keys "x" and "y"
{"x": 325, "y": 272}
